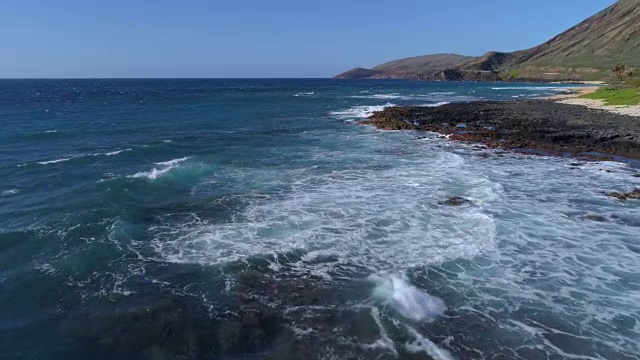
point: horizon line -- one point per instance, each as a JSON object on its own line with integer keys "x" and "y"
{"x": 162, "y": 78}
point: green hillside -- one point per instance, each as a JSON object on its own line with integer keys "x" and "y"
{"x": 584, "y": 52}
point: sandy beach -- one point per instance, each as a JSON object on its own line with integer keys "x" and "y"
{"x": 575, "y": 92}
{"x": 575, "y": 99}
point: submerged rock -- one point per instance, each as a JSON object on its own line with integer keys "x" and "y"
{"x": 455, "y": 201}
{"x": 598, "y": 218}
{"x": 169, "y": 328}
{"x": 177, "y": 327}
{"x": 631, "y": 195}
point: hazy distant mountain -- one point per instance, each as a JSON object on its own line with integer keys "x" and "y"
{"x": 584, "y": 52}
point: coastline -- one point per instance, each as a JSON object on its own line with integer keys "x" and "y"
{"x": 575, "y": 99}
{"x": 526, "y": 126}
{"x": 574, "y": 92}
{"x": 596, "y": 104}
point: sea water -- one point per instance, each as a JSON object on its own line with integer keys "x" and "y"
{"x": 244, "y": 219}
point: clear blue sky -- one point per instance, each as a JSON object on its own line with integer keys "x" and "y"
{"x": 262, "y": 38}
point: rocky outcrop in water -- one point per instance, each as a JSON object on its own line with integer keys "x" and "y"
{"x": 455, "y": 201}
{"x": 526, "y": 126}
{"x": 631, "y": 195}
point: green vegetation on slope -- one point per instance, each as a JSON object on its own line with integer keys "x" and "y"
{"x": 616, "y": 96}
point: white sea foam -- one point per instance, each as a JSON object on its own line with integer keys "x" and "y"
{"x": 9, "y": 192}
{"x": 398, "y": 96}
{"x": 51, "y": 131}
{"x": 54, "y": 161}
{"x": 112, "y": 153}
{"x": 151, "y": 175}
{"x": 164, "y": 168}
{"x": 385, "y": 341}
{"x": 360, "y": 112}
{"x": 382, "y": 96}
{"x": 422, "y": 344}
{"x": 436, "y": 104}
{"x": 406, "y": 299}
{"x": 380, "y": 220}
{"x": 377, "y": 211}
{"x": 370, "y": 204}
{"x": 530, "y": 88}
{"x": 310, "y": 93}
{"x": 443, "y": 93}
{"x": 173, "y": 162}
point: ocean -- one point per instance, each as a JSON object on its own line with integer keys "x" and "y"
{"x": 255, "y": 219}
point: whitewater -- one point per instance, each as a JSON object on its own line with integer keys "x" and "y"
{"x": 256, "y": 219}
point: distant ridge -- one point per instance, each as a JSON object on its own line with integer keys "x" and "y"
{"x": 584, "y": 52}
{"x": 425, "y": 63}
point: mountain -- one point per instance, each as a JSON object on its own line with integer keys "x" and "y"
{"x": 423, "y": 63}
{"x": 584, "y": 52}
{"x": 427, "y": 67}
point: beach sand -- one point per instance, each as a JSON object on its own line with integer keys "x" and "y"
{"x": 575, "y": 92}
{"x": 631, "y": 110}
{"x": 575, "y": 99}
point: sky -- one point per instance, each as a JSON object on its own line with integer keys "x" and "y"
{"x": 262, "y": 38}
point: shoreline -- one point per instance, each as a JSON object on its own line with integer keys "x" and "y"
{"x": 575, "y": 92}
{"x": 575, "y": 99}
{"x": 526, "y": 126}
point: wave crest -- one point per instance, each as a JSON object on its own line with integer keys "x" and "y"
{"x": 165, "y": 167}
{"x": 360, "y": 111}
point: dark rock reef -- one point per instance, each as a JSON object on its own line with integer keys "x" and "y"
{"x": 456, "y": 201}
{"x": 631, "y": 195}
{"x": 526, "y": 126}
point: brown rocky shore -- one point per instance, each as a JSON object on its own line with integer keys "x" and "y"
{"x": 531, "y": 126}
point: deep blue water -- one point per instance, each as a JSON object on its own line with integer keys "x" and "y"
{"x": 251, "y": 219}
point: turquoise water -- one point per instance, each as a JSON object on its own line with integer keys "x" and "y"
{"x": 251, "y": 219}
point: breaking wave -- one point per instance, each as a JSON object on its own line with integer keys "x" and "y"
{"x": 382, "y": 96}
{"x": 406, "y": 299}
{"x": 360, "y": 112}
{"x": 112, "y": 153}
{"x": 309, "y": 93}
{"x": 163, "y": 168}
{"x": 56, "y": 161}
{"x": 9, "y": 192}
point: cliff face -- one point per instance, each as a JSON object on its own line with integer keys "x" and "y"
{"x": 583, "y": 52}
